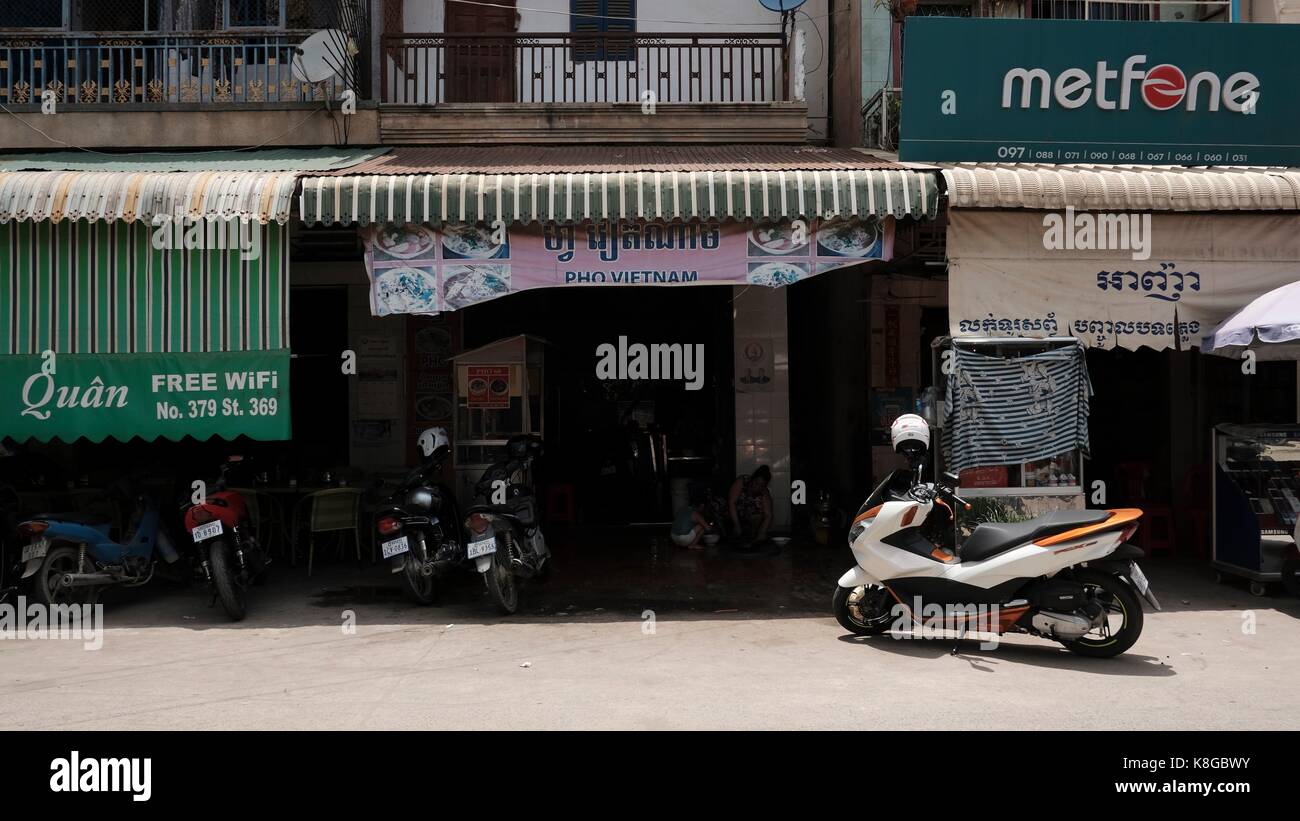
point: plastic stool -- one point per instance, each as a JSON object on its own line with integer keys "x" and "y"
{"x": 561, "y": 507}
{"x": 1155, "y": 533}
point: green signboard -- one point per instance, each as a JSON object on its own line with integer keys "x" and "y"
{"x": 1058, "y": 91}
{"x": 150, "y": 395}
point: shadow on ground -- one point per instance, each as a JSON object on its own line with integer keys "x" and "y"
{"x": 610, "y": 576}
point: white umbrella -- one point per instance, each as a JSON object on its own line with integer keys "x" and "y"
{"x": 1269, "y": 326}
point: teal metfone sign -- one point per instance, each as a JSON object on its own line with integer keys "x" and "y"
{"x": 1058, "y": 91}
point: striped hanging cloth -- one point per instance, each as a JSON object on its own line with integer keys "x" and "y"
{"x": 1007, "y": 411}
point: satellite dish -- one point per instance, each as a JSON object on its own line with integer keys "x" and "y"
{"x": 782, "y": 5}
{"x": 322, "y": 55}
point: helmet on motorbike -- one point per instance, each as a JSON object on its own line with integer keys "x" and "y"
{"x": 910, "y": 436}
{"x": 434, "y": 441}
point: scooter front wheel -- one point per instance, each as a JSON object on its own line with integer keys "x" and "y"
{"x": 862, "y": 610}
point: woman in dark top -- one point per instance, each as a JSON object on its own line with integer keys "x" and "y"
{"x": 750, "y": 504}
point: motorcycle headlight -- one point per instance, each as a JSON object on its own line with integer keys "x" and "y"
{"x": 421, "y": 497}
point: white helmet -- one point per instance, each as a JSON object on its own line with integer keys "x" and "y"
{"x": 433, "y": 439}
{"x": 910, "y": 435}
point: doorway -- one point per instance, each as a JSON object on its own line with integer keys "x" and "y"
{"x": 480, "y": 67}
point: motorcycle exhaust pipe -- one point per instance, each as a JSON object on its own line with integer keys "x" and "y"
{"x": 86, "y": 579}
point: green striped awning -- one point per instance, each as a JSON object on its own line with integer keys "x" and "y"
{"x": 79, "y": 286}
{"x": 367, "y": 199}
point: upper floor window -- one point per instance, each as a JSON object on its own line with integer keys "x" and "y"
{"x": 599, "y": 19}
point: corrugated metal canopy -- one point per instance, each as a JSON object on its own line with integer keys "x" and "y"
{"x": 549, "y": 184}
{"x": 252, "y": 186}
{"x": 1121, "y": 187}
{"x": 115, "y": 195}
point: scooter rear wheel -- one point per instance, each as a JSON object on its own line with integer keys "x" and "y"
{"x": 45, "y": 584}
{"x": 419, "y": 588}
{"x": 863, "y": 610}
{"x": 224, "y": 578}
{"x": 502, "y": 586}
{"x": 1120, "y": 602}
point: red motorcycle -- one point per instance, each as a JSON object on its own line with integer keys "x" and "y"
{"x": 225, "y": 544}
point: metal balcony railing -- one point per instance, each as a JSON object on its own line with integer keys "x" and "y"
{"x": 1133, "y": 10}
{"x": 881, "y": 116}
{"x": 131, "y": 70}
{"x": 428, "y": 69}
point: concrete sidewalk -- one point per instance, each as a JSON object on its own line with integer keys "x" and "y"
{"x": 169, "y": 662}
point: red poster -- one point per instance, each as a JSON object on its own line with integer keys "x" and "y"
{"x": 488, "y": 386}
{"x": 993, "y": 476}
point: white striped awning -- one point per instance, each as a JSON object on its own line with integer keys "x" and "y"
{"x": 1121, "y": 188}
{"x": 568, "y": 197}
{"x": 250, "y": 196}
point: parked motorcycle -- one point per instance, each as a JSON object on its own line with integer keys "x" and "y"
{"x": 1066, "y": 576}
{"x": 225, "y": 547}
{"x": 418, "y": 527}
{"x": 72, "y": 557}
{"x": 505, "y": 540}
{"x": 10, "y": 566}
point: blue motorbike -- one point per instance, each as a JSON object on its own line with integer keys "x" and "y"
{"x": 72, "y": 557}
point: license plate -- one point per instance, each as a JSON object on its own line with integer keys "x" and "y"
{"x": 36, "y": 550}
{"x": 1139, "y": 580}
{"x": 482, "y": 547}
{"x": 396, "y": 547}
{"x": 206, "y": 531}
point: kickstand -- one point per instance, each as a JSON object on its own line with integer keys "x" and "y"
{"x": 961, "y": 634}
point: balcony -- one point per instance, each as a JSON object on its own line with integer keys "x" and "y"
{"x": 139, "y": 70}
{"x": 605, "y": 87}
{"x": 124, "y": 89}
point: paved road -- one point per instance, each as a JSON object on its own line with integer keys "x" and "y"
{"x": 170, "y": 663}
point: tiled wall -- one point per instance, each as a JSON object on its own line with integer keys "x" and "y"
{"x": 763, "y": 419}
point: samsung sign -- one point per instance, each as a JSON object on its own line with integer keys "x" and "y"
{"x": 1100, "y": 92}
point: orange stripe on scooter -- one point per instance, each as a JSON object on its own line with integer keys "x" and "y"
{"x": 1119, "y": 516}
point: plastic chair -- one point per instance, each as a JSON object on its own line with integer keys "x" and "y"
{"x": 265, "y": 513}
{"x": 1155, "y": 534}
{"x": 561, "y": 507}
{"x": 1195, "y": 500}
{"x": 336, "y": 510}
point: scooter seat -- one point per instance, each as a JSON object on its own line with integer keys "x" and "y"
{"x": 80, "y": 517}
{"x": 992, "y": 538}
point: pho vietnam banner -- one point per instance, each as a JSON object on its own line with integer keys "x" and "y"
{"x": 1003, "y": 280}
{"x": 1096, "y": 91}
{"x": 415, "y": 269}
{"x": 95, "y": 396}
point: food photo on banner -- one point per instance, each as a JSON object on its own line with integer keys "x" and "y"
{"x": 415, "y": 269}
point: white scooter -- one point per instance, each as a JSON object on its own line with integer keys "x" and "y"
{"x": 1067, "y": 576}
